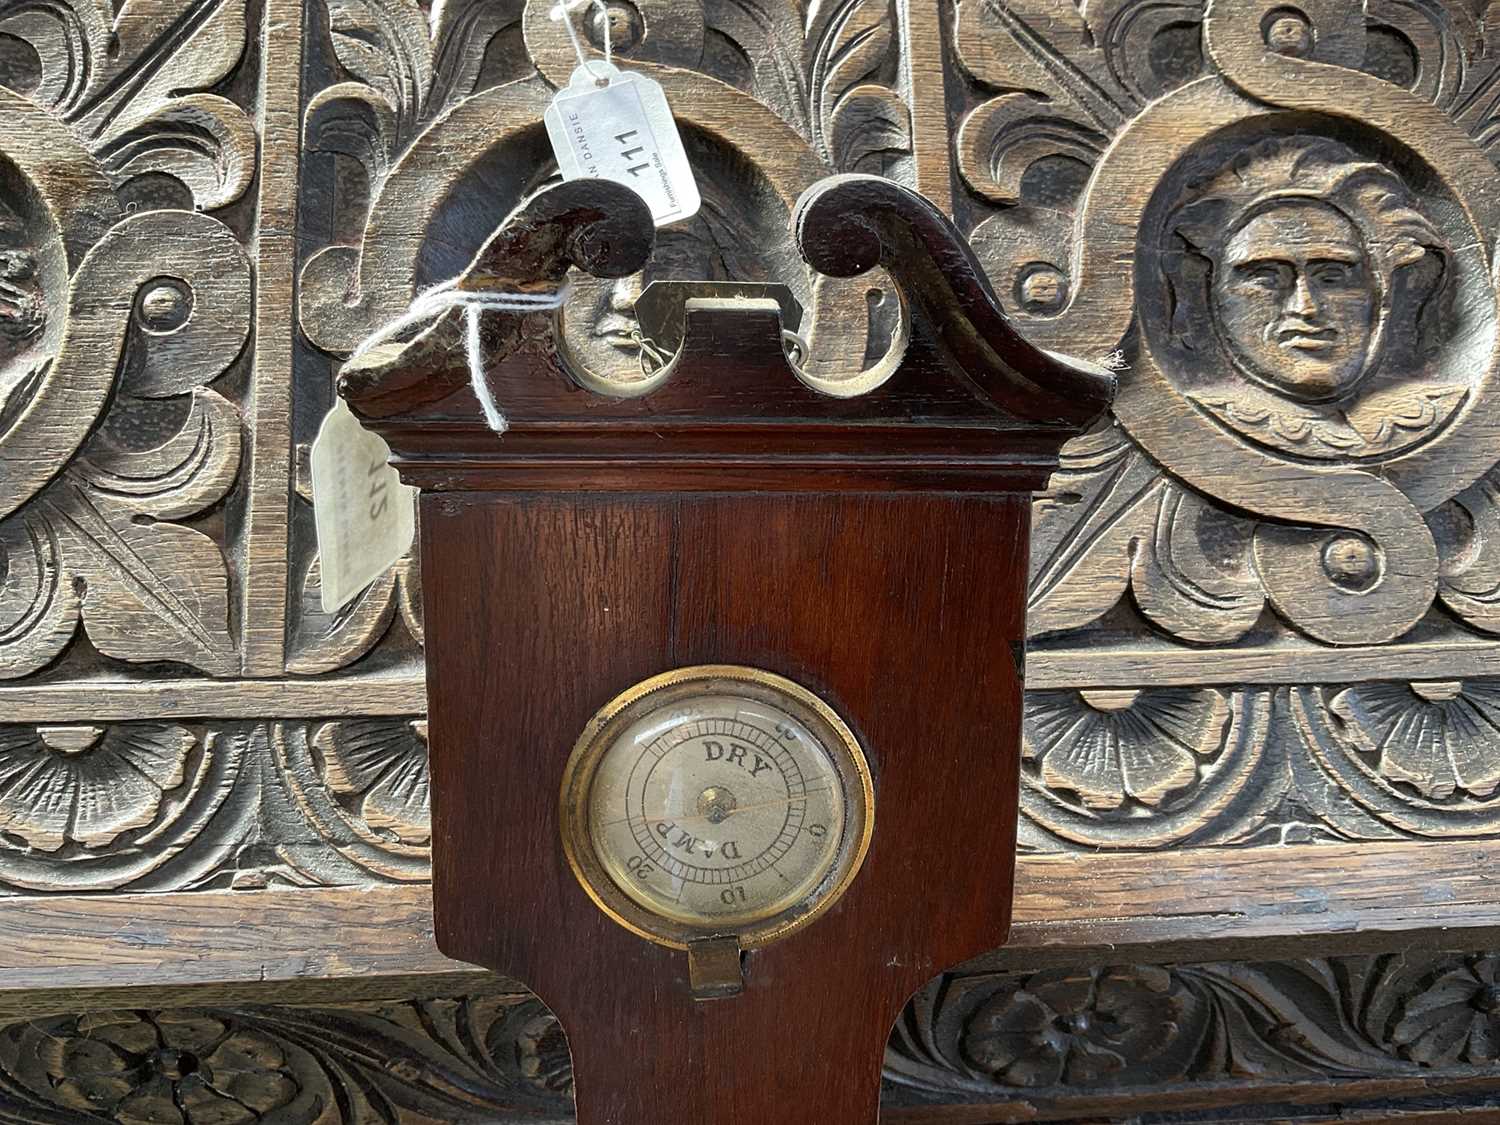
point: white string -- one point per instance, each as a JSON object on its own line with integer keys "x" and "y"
{"x": 438, "y": 300}
{"x": 563, "y": 11}
{"x": 1114, "y": 361}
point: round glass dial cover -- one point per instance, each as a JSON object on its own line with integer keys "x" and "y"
{"x": 716, "y": 800}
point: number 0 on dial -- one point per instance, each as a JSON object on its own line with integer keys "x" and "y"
{"x": 716, "y": 800}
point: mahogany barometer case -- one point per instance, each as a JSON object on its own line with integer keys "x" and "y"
{"x": 725, "y": 664}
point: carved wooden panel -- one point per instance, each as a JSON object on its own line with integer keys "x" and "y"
{"x": 1303, "y": 1040}
{"x": 1263, "y": 598}
{"x": 1265, "y": 601}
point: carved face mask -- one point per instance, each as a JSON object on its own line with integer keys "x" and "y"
{"x": 605, "y": 339}
{"x": 1298, "y": 302}
{"x": 23, "y": 316}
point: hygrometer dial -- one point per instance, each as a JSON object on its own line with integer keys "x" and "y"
{"x": 713, "y": 801}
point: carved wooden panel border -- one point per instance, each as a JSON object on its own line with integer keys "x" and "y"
{"x": 1264, "y": 595}
{"x": 1282, "y": 1040}
{"x": 1237, "y": 638}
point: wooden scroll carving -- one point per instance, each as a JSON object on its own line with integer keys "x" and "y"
{"x": 1265, "y": 584}
{"x": 968, "y": 363}
{"x": 1058, "y": 1045}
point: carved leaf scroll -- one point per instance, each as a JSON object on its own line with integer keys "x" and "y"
{"x": 1049, "y": 1041}
{"x": 130, "y": 85}
{"x": 1284, "y": 474}
{"x": 858, "y": 125}
{"x": 171, "y": 580}
{"x": 1044, "y": 1035}
{"x": 116, "y": 325}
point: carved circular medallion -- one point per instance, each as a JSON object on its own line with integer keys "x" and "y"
{"x": 1300, "y": 296}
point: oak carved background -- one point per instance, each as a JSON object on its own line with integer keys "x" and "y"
{"x": 1294, "y": 1038}
{"x": 1265, "y": 596}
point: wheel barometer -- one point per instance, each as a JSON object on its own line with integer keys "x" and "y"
{"x": 716, "y": 802}
{"x": 724, "y": 663}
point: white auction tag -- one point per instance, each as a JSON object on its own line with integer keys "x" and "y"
{"x": 623, "y": 131}
{"x": 365, "y": 515}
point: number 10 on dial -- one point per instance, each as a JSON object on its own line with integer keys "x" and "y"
{"x": 715, "y": 802}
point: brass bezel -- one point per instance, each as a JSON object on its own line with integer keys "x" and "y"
{"x": 661, "y": 690}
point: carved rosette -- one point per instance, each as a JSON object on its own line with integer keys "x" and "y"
{"x": 482, "y": 1058}
{"x": 114, "y": 326}
{"x": 769, "y": 97}
{"x": 1303, "y": 303}
{"x": 1452, "y": 1017}
{"x": 1419, "y": 757}
{"x": 184, "y": 1066}
{"x": 1144, "y": 768}
{"x": 104, "y": 807}
{"x": 1034, "y": 1040}
{"x": 1043, "y": 1035}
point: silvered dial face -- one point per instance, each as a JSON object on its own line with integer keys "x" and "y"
{"x": 723, "y": 806}
{"x": 722, "y": 809}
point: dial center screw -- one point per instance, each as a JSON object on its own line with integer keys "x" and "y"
{"x": 716, "y": 803}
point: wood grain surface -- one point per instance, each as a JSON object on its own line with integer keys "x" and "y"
{"x": 58, "y": 953}
{"x": 647, "y": 584}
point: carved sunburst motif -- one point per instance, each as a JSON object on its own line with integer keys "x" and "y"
{"x": 1439, "y": 738}
{"x": 87, "y": 785}
{"x": 1112, "y": 746}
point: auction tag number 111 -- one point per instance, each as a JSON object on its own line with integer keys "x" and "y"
{"x": 614, "y": 124}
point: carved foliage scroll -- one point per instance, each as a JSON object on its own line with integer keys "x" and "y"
{"x": 1280, "y": 219}
{"x": 480, "y": 1059}
{"x": 1033, "y": 1043}
{"x": 1068, "y": 1031}
{"x": 116, "y": 324}
{"x": 1303, "y": 301}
